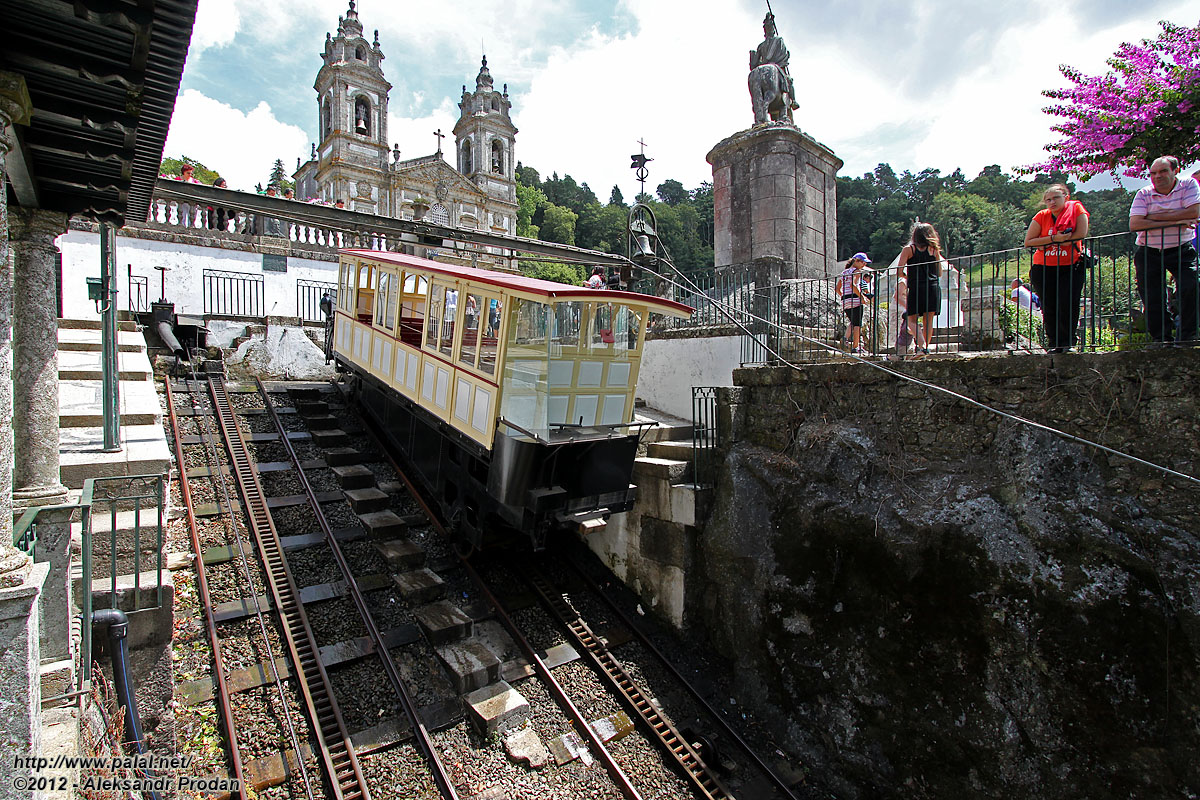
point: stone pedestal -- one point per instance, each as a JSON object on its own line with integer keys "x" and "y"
{"x": 20, "y": 694}
{"x": 54, "y": 549}
{"x": 775, "y": 197}
{"x": 35, "y": 357}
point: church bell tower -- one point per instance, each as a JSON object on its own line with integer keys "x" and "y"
{"x": 485, "y": 138}
{"x": 352, "y": 98}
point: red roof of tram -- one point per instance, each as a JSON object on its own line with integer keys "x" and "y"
{"x": 536, "y": 286}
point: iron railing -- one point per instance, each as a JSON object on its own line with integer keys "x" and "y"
{"x": 704, "y": 435}
{"x": 234, "y": 294}
{"x": 139, "y": 293}
{"x": 308, "y": 299}
{"x": 133, "y": 495}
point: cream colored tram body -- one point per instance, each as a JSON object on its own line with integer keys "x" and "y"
{"x": 511, "y": 398}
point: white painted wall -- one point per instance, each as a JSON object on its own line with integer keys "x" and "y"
{"x": 671, "y": 367}
{"x": 81, "y": 259}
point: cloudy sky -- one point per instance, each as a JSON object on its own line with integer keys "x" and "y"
{"x": 928, "y": 83}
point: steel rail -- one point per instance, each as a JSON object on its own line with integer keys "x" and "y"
{"x": 699, "y": 773}
{"x": 421, "y": 733}
{"x": 564, "y": 701}
{"x": 644, "y": 640}
{"x": 220, "y": 477}
{"x": 223, "y": 706}
{"x": 337, "y": 752}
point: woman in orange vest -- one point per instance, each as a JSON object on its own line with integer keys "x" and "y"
{"x": 1057, "y": 275}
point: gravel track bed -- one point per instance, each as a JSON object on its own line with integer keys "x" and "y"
{"x": 261, "y": 720}
{"x": 194, "y": 426}
{"x": 305, "y": 450}
{"x": 197, "y": 735}
{"x": 242, "y": 643}
{"x": 294, "y": 520}
{"x": 202, "y": 490}
{"x": 364, "y": 558}
{"x": 178, "y": 536}
{"x": 365, "y": 445}
{"x": 388, "y": 609}
{"x": 364, "y": 694}
{"x": 293, "y": 422}
{"x": 227, "y": 582}
{"x": 196, "y": 456}
{"x": 322, "y": 480}
{"x": 191, "y": 653}
{"x": 383, "y": 471}
{"x": 280, "y": 483}
{"x": 244, "y": 400}
{"x": 422, "y": 673}
{"x": 538, "y": 628}
{"x": 267, "y": 451}
{"x": 638, "y": 756}
{"x": 256, "y": 423}
{"x": 294, "y": 789}
{"x": 340, "y": 515}
{"x": 219, "y": 532}
{"x": 402, "y": 504}
{"x": 335, "y": 621}
{"x": 433, "y": 543}
{"x": 399, "y": 773}
{"x": 313, "y": 565}
{"x": 476, "y": 764}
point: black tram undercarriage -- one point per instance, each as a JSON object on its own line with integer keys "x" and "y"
{"x": 524, "y": 485}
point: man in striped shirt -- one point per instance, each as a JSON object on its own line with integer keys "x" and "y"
{"x": 1167, "y": 248}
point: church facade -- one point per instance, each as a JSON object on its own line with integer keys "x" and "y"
{"x": 353, "y": 164}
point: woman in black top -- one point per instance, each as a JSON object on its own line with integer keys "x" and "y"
{"x": 921, "y": 263}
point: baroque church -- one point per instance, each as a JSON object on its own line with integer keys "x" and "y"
{"x": 352, "y": 162}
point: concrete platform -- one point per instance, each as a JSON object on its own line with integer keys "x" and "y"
{"x": 87, "y": 365}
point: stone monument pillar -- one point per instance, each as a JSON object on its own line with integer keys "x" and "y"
{"x": 775, "y": 200}
{"x": 35, "y": 357}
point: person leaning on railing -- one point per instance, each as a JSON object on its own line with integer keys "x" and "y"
{"x": 1166, "y": 249}
{"x": 1057, "y": 275}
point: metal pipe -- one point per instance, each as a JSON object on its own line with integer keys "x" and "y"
{"x": 118, "y": 630}
{"x": 108, "y": 340}
{"x": 166, "y": 332}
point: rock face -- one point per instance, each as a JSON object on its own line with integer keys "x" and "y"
{"x": 932, "y": 601}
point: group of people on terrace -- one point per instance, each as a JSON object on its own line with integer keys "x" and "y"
{"x": 1164, "y": 216}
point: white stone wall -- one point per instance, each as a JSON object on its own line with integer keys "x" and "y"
{"x": 81, "y": 259}
{"x": 671, "y": 367}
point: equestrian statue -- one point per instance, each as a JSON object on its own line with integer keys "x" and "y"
{"x": 772, "y": 92}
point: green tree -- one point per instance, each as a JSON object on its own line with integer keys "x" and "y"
{"x": 279, "y": 178}
{"x": 171, "y": 167}
{"x": 672, "y": 192}
{"x": 616, "y": 198}
{"x": 529, "y": 200}
{"x": 602, "y": 228}
{"x": 554, "y": 271}
{"x": 558, "y": 224}
{"x": 528, "y": 176}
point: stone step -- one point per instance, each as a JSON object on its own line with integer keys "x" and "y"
{"x": 383, "y": 524}
{"x": 420, "y": 585}
{"x": 80, "y": 403}
{"x": 93, "y": 324}
{"x": 322, "y": 422}
{"x": 74, "y": 339}
{"x": 671, "y": 450}
{"x": 471, "y": 664}
{"x": 665, "y": 469}
{"x": 81, "y": 365}
{"x": 342, "y": 456}
{"x": 367, "y": 501}
{"x": 402, "y": 555}
{"x": 330, "y": 438}
{"x": 144, "y": 451}
{"x": 311, "y": 408}
{"x": 444, "y": 623}
{"x": 354, "y": 476}
{"x": 497, "y": 708}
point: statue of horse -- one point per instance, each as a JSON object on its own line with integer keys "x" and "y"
{"x": 769, "y": 94}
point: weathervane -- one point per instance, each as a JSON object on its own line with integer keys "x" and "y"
{"x": 639, "y": 163}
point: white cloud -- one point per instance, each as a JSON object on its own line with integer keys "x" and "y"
{"x": 217, "y": 23}
{"x": 416, "y": 135}
{"x": 241, "y": 146}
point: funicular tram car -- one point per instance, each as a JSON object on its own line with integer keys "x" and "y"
{"x": 511, "y": 398}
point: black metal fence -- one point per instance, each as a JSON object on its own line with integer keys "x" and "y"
{"x": 235, "y": 294}
{"x": 139, "y": 293}
{"x": 308, "y": 299}
{"x": 704, "y": 435}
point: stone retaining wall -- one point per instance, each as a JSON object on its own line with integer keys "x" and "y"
{"x": 934, "y": 601}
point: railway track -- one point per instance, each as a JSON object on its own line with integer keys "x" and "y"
{"x": 451, "y": 755}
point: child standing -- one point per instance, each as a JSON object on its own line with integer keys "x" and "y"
{"x": 850, "y": 285}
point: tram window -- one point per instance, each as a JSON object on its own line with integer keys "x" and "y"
{"x": 412, "y": 309}
{"x": 366, "y": 292}
{"x": 614, "y": 329}
{"x": 449, "y": 311}
{"x": 385, "y": 301}
{"x": 433, "y": 330}
{"x": 470, "y": 337}
{"x": 567, "y": 319}
{"x": 487, "y": 351}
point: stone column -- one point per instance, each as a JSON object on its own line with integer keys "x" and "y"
{"x": 15, "y": 109}
{"x": 35, "y": 357}
{"x": 775, "y": 196}
{"x": 20, "y": 691}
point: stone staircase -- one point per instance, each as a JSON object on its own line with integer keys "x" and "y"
{"x": 80, "y": 404}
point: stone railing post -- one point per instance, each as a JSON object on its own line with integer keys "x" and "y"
{"x": 20, "y": 658}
